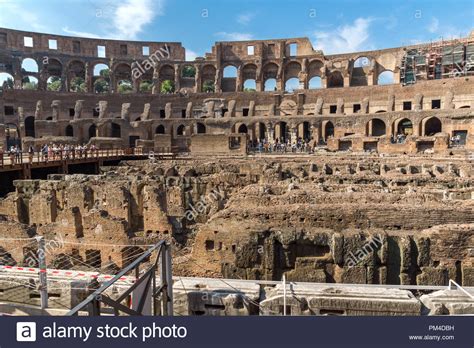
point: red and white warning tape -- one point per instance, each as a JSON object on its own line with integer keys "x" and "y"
{"x": 63, "y": 273}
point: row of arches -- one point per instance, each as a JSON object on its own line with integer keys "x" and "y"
{"x": 98, "y": 77}
{"x": 280, "y": 131}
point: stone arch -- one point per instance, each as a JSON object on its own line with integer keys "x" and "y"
{"x": 269, "y": 76}
{"x": 29, "y": 65}
{"x": 29, "y": 82}
{"x": 249, "y": 77}
{"x": 6, "y": 81}
{"x": 292, "y": 84}
{"x": 181, "y": 130}
{"x": 242, "y": 129}
{"x": 115, "y": 130}
{"x": 12, "y": 135}
{"x": 101, "y": 78}
{"x": 292, "y": 69}
{"x": 208, "y": 78}
{"x": 303, "y": 131}
{"x": 69, "y": 131}
{"x": 315, "y": 68}
{"x": 315, "y": 82}
{"x": 250, "y": 85}
{"x": 270, "y": 85}
{"x": 335, "y": 79}
{"x": 328, "y": 130}
{"x": 30, "y": 126}
{"x": 376, "y": 127}
{"x": 386, "y": 77}
{"x": 160, "y": 129}
{"x": 229, "y": 79}
{"x": 281, "y": 131}
{"x": 76, "y": 76}
{"x": 92, "y": 131}
{"x": 200, "y": 128}
{"x": 260, "y": 130}
{"x": 54, "y": 67}
{"x": 229, "y": 71}
{"x": 431, "y": 125}
{"x": 403, "y": 126}
{"x": 360, "y": 71}
{"x": 123, "y": 77}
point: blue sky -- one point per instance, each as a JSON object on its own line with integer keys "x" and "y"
{"x": 334, "y": 26}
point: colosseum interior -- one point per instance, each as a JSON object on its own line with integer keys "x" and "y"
{"x": 386, "y": 169}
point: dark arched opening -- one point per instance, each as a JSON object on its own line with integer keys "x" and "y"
{"x": 30, "y": 126}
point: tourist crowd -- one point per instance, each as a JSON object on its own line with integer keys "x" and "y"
{"x": 50, "y": 152}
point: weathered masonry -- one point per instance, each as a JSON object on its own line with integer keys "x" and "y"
{"x": 127, "y": 94}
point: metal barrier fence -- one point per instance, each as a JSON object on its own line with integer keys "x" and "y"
{"x": 38, "y": 157}
{"x": 57, "y": 273}
{"x": 145, "y": 290}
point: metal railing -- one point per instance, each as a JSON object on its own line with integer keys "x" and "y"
{"x": 147, "y": 295}
{"x": 58, "y": 156}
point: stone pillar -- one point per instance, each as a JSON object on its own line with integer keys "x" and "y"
{"x": 177, "y": 85}
{"x": 369, "y": 128}
{"x": 198, "y": 79}
{"x": 112, "y": 82}
{"x": 239, "y": 83}
{"x": 64, "y": 82}
{"x": 156, "y": 80}
{"x": 315, "y": 131}
{"x": 217, "y": 81}
{"x": 89, "y": 74}
{"x": 293, "y": 135}
{"x": 270, "y": 134}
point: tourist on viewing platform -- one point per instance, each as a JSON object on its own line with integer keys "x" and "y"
{"x": 11, "y": 154}
{"x": 31, "y": 152}
{"x": 44, "y": 152}
{"x": 18, "y": 154}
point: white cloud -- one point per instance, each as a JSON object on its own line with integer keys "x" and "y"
{"x": 80, "y": 33}
{"x": 245, "y": 18}
{"x": 347, "y": 38}
{"x": 434, "y": 25}
{"x": 191, "y": 55}
{"x": 14, "y": 16}
{"x": 234, "y": 36}
{"x": 132, "y": 15}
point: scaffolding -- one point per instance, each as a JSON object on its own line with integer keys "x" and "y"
{"x": 441, "y": 59}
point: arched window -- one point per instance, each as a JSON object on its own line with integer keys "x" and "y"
{"x": 405, "y": 126}
{"x": 69, "y": 131}
{"x": 92, "y": 131}
{"x": 432, "y": 126}
{"x": 29, "y": 82}
{"x": 242, "y": 129}
{"x": 115, "y": 131}
{"x": 385, "y": 78}
{"x": 30, "y": 126}
{"x": 270, "y": 85}
{"x": 6, "y": 81}
{"x": 315, "y": 83}
{"x": 200, "y": 128}
{"x": 180, "y": 130}
{"x": 292, "y": 84}
{"x": 54, "y": 83}
{"x": 335, "y": 79}
{"x": 250, "y": 85}
{"x": 160, "y": 129}
{"x": 29, "y": 65}
{"x": 230, "y": 71}
{"x": 378, "y": 127}
{"x": 303, "y": 131}
{"x": 329, "y": 130}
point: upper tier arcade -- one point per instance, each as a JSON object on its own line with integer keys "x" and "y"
{"x": 71, "y": 64}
